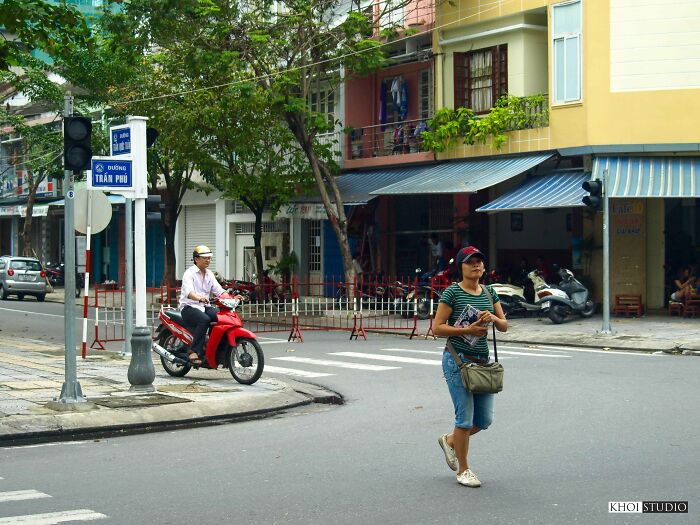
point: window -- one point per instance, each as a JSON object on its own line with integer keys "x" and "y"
{"x": 314, "y": 253}
{"x": 324, "y": 102}
{"x": 566, "y": 52}
{"x": 426, "y": 94}
{"x": 481, "y": 77}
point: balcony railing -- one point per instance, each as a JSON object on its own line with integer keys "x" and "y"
{"x": 395, "y": 138}
{"x": 535, "y": 114}
{"x": 335, "y": 140}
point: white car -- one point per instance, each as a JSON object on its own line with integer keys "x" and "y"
{"x": 22, "y": 276}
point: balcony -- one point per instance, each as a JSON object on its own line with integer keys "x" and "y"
{"x": 391, "y": 143}
{"x": 335, "y": 140}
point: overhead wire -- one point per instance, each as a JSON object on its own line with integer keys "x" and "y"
{"x": 494, "y": 5}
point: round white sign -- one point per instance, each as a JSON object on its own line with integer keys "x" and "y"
{"x": 101, "y": 211}
{"x": 71, "y": 194}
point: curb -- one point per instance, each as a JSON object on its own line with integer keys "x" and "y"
{"x": 64, "y": 428}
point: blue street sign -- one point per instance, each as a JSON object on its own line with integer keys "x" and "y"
{"x": 111, "y": 174}
{"x": 121, "y": 141}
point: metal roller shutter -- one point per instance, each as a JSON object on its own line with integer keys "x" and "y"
{"x": 200, "y": 228}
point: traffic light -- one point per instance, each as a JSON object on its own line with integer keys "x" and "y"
{"x": 153, "y": 202}
{"x": 77, "y": 147}
{"x": 151, "y": 136}
{"x": 594, "y": 199}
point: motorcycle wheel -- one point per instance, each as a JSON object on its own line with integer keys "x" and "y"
{"x": 508, "y": 304}
{"x": 589, "y": 309}
{"x": 423, "y": 308}
{"x": 172, "y": 344}
{"x": 557, "y": 314}
{"x": 246, "y": 361}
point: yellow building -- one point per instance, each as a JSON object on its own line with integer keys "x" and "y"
{"x": 622, "y": 85}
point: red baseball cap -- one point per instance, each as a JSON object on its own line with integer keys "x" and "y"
{"x": 467, "y": 253}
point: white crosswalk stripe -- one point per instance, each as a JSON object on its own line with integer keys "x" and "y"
{"x": 49, "y": 518}
{"x": 339, "y": 364}
{"x": 392, "y": 358}
{"x": 20, "y": 495}
{"x": 293, "y": 372}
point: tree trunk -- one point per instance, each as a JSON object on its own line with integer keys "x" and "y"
{"x": 334, "y": 210}
{"x": 27, "y": 249}
{"x": 169, "y": 222}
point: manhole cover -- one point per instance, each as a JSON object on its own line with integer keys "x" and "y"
{"x": 137, "y": 401}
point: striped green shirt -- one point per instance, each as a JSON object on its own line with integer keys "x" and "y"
{"x": 457, "y": 299}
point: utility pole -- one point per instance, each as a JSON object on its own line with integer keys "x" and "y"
{"x": 606, "y": 329}
{"x": 71, "y": 393}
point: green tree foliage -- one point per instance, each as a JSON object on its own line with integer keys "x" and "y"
{"x": 253, "y": 157}
{"x": 451, "y": 127}
{"x": 36, "y": 25}
{"x": 289, "y": 48}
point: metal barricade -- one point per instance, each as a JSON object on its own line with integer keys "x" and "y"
{"x": 109, "y": 315}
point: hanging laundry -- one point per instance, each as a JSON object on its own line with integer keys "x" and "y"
{"x": 396, "y": 92}
{"x": 403, "y": 113}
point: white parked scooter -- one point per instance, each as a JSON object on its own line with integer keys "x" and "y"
{"x": 513, "y": 299}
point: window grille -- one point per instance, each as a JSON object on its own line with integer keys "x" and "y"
{"x": 314, "y": 252}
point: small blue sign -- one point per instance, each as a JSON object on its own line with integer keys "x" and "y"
{"x": 111, "y": 174}
{"x": 121, "y": 141}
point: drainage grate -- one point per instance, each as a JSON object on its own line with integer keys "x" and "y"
{"x": 144, "y": 400}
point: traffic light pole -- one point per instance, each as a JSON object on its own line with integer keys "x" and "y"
{"x": 71, "y": 392}
{"x": 606, "y": 329}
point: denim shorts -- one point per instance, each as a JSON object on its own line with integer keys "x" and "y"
{"x": 471, "y": 410}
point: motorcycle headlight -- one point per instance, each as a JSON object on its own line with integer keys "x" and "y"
{"x": 229, "y": 303}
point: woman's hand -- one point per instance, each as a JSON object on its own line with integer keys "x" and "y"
{"x": 477, "y": 328}
{"x": 486, "y": 318}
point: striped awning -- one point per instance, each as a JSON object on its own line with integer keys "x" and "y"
{"x": 556, "y": 189}
{"x": 463, "y": 177}
{"x": 357, "y": 187}
{"x": 650, "y": 176}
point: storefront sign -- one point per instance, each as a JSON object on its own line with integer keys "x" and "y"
{"x": 304, "y": 211}
{"x": 37, "y": 211}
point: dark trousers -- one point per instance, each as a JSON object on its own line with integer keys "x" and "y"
{"x": 198, "y": 322}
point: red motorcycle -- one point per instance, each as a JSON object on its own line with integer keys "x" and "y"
{"x": 227, "y": 343}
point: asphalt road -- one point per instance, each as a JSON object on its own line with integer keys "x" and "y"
{"x": 573, "y": 431}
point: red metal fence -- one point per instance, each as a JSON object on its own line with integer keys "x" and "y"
{"x": 370, "y": 303}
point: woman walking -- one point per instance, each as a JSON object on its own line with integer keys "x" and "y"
{"x": 473, "y": 412}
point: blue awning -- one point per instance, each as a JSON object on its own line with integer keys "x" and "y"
{"x": 356, "y": 187}
{"x": 463, "y": 177}
{"x": 650, "y": 176}
{"x": 556, "y": 189}
{"x": 113, "y": 199}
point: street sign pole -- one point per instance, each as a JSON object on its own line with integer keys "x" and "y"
{"x": 71, "y": 393}
{"x": 141, "y": 371}
{"x": 120, "y": 144}
{"x": 129, "y": 286}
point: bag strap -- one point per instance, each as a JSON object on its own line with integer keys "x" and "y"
{"x": 493, "y": 326}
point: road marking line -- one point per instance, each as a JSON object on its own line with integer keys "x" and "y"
{"x": 430, "y": 352}
{"x": 339, "y": 364}
{"x": 582, "y": 350}
{"x": 19, "y": 495}
{"x": 534, "y": 354}
{"x": 394, "y": 358}
{"x": 293, "y": 372}
{"x": 49, "y": 518}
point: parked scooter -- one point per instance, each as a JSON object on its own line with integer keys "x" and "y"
{"x": 55, "y": 273}
{"x": 576, "y": 299}
{"x": 519, "y": 300}
{"x": 430, "y": 287}
{"x": 227, "y": 343}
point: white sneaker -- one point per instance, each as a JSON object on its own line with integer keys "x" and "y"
{"x": 449, "y": 452}
{"x": 468, "y": 479}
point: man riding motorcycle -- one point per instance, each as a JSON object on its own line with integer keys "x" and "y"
{"x": 198, "y": 283}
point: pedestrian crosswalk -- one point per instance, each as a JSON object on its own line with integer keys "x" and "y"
{"x": 40, "y": 518}
{"x": 328, "y": 363}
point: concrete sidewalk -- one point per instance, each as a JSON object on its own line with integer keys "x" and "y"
{"x": 32, "y": 375}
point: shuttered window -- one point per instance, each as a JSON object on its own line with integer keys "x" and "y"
{"x": 480, "y": 78}
{"x": 200, "y": 228}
